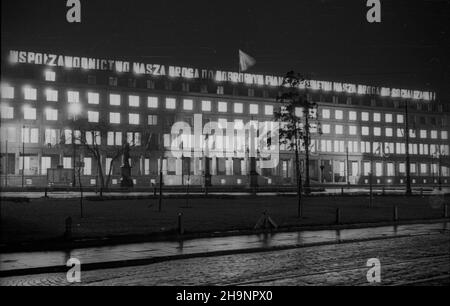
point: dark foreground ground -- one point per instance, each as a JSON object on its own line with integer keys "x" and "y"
{"x": 45, "y": 218}
{"x": 417, "y": 260}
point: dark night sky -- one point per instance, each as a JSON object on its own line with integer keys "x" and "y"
{"x": 326, "y": 39}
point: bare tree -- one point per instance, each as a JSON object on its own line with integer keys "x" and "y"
{"x": 295, "y": 127}
{"x": 90, "y": 138}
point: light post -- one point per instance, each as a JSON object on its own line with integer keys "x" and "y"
{"x": 438, "y": 155}
{"x": 408, "y": 161}
{"x": 23, "y": 157}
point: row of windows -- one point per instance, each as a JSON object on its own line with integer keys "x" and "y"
{"x": 364, "y": 116}
{"x": 114, "y": 138}
{"x": 378, "y": 148}
{"x": 377, "y": 168}
{"x": 54, "y": 137}
{"x": 388, "y": 131}
{"x": 135, "y": 119}
{"x": 30, "y": 94}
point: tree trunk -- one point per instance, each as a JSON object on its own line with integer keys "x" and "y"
{"x": 299, "y": 182}
{"x": 100, "y": 175}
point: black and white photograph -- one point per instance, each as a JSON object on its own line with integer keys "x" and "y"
{"x": 225, "y": 149}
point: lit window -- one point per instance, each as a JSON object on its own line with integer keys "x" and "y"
{"x": 152, "y": 120}
{"x": 134, "y": 138}
{"x": 389, "y": 132}
{"x": 238, "y": 124}
{"x": 8, "y": 133}
{"x": 254, "y": 109}
{"x": 388, "y": 118}
{"x": 67, "y": 136}
{"x": 114, "y": 99}
{"x": 93, "y": 98}
{"x": 377, "y": 131}
{"x": 30, "y": 135}
{"x": 51, "y": 137}
{"x": 222, "y": 107}
{"x": 114, "y": 138}
{"x": 7, "y": 92}
{"x": 400, "y": 148}
{"x": 444, "y": 135}
{"x": 352, "y": 115}
{"x": 434, "y": 134}
{"x": 133, "y": 119}
{"x": 339, "y": 146}
{"x": 367, "y": 168}
{"x": 339, "y": 129}
{"x": 93, "y": 117}
{"x": 73, "y": 96}
{"x": 34, "y": 135}
{"x": 423, "y": 169}
{"x": 50, "y": 76}
{"x": 376, "y": 117}
{"x": 238, "y": 108}
{"x": 423, "y": 134}
{"x": 352, "y": 130}
{"x": 365, "y": 147}
{"x": 326, "y": 128}
{"x": 365, "y": 130}
{"x": 222, "y": 123}
{"x": 93, "y": 136}
{"x": 114, "y": 118}
{"x": 299, "y": 112}
{"x": 77, "y": 136}
{"x": 206, "y": 106}
{"x": 67, "y": 162}
{"x": 412, "y": 133}
{"x": 30, "y": 93}
{"x": 29, "y": 113}
{"x": 171, "y": 103}
{"x": 399, "y": 118}
{"x": 423, "y": 149}
{"x": 339, "y": 114}
{"x": 152, "y": 102}
{"x": 51, "y": 114}
{"x": 188, "y": 104}
{"x": 268, "y": 110}
{"x": 400, "y": 133}
{"x": 87, "y": 170}
{"x": 133, "y": 101}
{"x": 7, "y": 112}
{"x": 51, "y": 95}
{"x": 325, "y": 113}
{"x": 365, "y": 116}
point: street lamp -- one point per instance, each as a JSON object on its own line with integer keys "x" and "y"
{"x": 23, "y": 156}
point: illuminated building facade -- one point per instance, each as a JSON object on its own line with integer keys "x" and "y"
{"x": 363, "y": 128}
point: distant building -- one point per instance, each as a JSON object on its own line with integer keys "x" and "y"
{"x": 363, "y": 127}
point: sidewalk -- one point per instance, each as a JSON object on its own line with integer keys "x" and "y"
{"x": 146, "y": 253}
{"x": 328, "y": 191}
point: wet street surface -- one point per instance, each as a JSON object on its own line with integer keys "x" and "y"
{"x": 422, "y": 259}
{"x": 194, "y": 247}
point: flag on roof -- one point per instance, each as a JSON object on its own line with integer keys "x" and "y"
{"x": 245, "y": 61}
